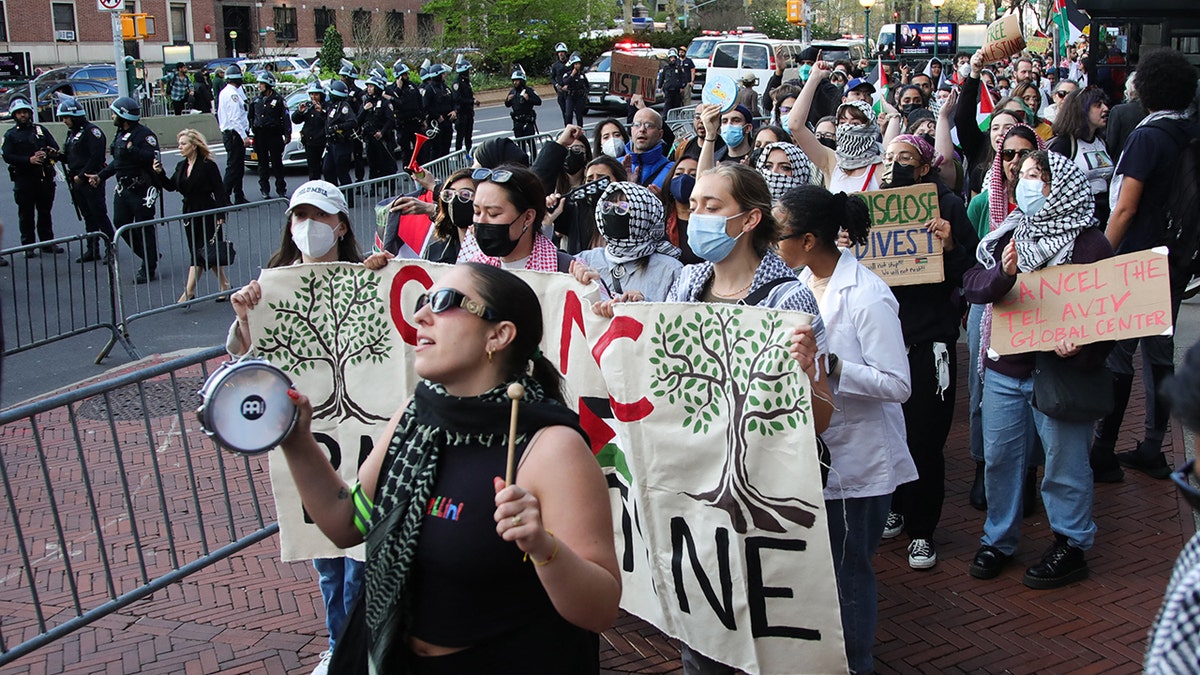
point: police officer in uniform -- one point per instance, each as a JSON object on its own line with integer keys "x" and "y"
{"x": 272, "y": 127}
{"x": 83, "y": 154}
{"x": 311, "y": 116}
{"x": 376, "y": 120}
{"x": 575, "y": 83}
{"x": 354, "y": 98}
{"x": 438, "y": 106}
{"x": 134, "y": 149}
{"x": 235, "y": 129}
{"x": 672, "y": 79}
{"x": 30, "y": 152}
{"x": 557, "y": 70}
{"x": 463, "y": 97}
{"x": 410, "y": 117}
{"x": 522, "y": 99}
{"x": 341, "y": 124}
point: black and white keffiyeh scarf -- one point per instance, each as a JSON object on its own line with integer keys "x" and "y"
{"x": 858, "y": 144}
{"x": 778, "y": 183}
{"x": 647, "y": 225}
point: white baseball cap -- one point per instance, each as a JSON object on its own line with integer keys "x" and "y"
{"x": 321, "y": 194}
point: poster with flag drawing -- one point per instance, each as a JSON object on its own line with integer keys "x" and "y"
{"x": 698, "y": 417}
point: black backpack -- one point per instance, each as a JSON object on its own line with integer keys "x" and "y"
{"x": 1182, "y": 209}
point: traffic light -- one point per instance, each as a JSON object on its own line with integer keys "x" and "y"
{"x": 795, "y": 11}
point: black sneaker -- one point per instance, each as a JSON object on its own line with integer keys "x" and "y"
{"x": 31, "y": 253}
{"x": 988, "y": 562}
{"x": 1061, "y": 565}
{"x": 1156, "y": 467}
{"x": 88, "y": 256}
{"x": 53, "y": 248}
{"x": 144, "y": 276}
{"x": 893, "y": 526}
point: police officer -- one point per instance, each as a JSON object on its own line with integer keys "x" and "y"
{"x": 463, "y": 97}
{"x": 235, "y": 129}
{"x": 83, "y": 154}
{"x": 349, "y": 75}
{"x": 31, "y": 151}
{"x": 376, "y": 120}
{"x": 574, "y": 82}
{"x": 438, "y": 106}
{"x": 522, "y": 99}
{"x": 557, "y": 70}
{"x": 134, "y": 150}
{"x": 272, "y": 129}
{"x": 672, "y": 79}
{"x": 340, "y": 126}
{"x": 311, "y": 116}
{"x": 410, "y": 117}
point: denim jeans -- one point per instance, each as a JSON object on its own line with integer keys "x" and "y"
{"x": 855, "y": 528}
{"x": 975, "y": 380}
{"x": 340, "y": 579}
{"x": 1010, "y": 423}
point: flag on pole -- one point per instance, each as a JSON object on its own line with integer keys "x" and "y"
{"x": 1067, "y": 32}
{"x": 983, "y": 110}
{"x": 878, "y": 77}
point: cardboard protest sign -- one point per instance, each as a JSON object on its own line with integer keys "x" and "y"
{"x": 1038, "y": 45}
{"x": 631, "y": 75}
{"x": 899, "y": 248}
{"x": 1126, "y": 296}
{"x": 1003, "y": 39}
{"x": 700, "y": 420}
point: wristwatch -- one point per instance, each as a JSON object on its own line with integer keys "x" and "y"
{"x": 833, "y": 362}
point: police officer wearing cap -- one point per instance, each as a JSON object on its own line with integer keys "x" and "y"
{"x": 30, "y": 152}
{"x": 557, "y": 70}
{"x": 463, "y": 97}
{"x": 354, "y": 97}
{"x": 575, "y": 84}
{"x": 310, "y": 115}
{"x": 410, "y": 116}
{"x": 438, "y": 106}
{"x": 522, "y": 99}
{"x": 376, "y": 120}
{"x": 235, "y": 129}
{"x": 83, "y": 154}
{"x": 272, "y": 128}
{"x": 341, "y": 124}
{"x": 672, "y": 79}
{"x": 134, "y": 150}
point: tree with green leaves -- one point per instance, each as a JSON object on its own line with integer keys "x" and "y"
{"x": 510, "y": 31}
{"x": 334, "y": 320}
{"x": 332, "y": 50}
{"x": 723, "y": 369}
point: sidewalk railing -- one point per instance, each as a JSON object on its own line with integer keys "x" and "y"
{"x": 109, "y": 495}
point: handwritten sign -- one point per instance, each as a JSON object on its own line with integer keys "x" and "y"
{"x": 1003, "y": 39}
{"x": 1039, "y": 45}
{"x": 899, "y": 248}
{"x": 1126, "y": 296}
{"x": 633, "y": 75}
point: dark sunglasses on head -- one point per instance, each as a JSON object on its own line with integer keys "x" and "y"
{"x": 1190, "y": 494}
{"x": 448, "y": 298}
{"x": 494, "y": 175}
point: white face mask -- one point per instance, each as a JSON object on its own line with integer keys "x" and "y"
{"x": 313, "y": 238}
{"x": 614, "y": 147}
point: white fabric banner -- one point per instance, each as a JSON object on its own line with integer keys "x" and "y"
{"x": 700, "y": 419}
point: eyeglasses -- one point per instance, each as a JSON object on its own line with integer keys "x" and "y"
{"x": 576, "y": 149}
{"x": 494, "y": 175}
{"x": 821, "y": 136}
{"x": 902, "y": 157}
{"x": 465, "y": 195}
{"x": 643, "y": 125}
{"x": 1190, "y": 494}
{"x": 448, "y": 298}
{"x": 619, "y": 208}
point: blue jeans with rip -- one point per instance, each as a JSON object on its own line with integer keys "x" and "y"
{"x": 855, "y": 528}
{"x": 339, "y": 579}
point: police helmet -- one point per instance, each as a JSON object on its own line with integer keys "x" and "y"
{"x": 233, "y": 72}
{"x": 19, "y": 104}
{"x": 560, "y": 47}
{"x": 463, "y": 66}
{"x": 399, "y": 69}
{"x": 348, "y": 70}
{"x": 378, "y": 80}
{"x": 268, "y": 78}
{"x": 126, "y": 108}
{"x": 574, "y": 59}
{"x": 338, "y": 89}
{"x": 316, "y": 88}
{"x": 69, "y": 107}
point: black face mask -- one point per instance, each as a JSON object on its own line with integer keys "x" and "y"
{"x": 908, "y": 107}
{"x": 928, "y": 138}
{"x": 615, "y": 226}
{"x": 830, "y": 143}
{"x": 493, "y": 238}
{"x": 897, "y": 175}
{"x": 461, "y": 214}
{"x": 574, "y": 162}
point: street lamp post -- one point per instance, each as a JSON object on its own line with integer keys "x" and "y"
{"x": 937, "y": 23}
{"x": 867, "y": 5}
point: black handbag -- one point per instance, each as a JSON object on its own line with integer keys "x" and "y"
{"x": 219, "y": 252}
{"x": 1067, "y": 393}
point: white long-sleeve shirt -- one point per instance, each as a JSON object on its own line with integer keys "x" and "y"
{"x": 231, "y": 111}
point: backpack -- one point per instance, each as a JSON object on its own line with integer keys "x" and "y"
{"x": 1182, "y": 208}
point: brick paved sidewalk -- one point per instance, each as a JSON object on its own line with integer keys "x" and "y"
{"x": 254, "y": 614}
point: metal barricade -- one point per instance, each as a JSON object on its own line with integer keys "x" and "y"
{"x": 97, "y": 107}
{"x": 364, "y": 197}
{"x": 49, "y": 297}
{"x": 111, "y": 493}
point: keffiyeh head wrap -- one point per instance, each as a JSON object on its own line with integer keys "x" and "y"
{"x": 858, "y": 144}
{"x": 778, "y": 183}
{"x": 997, "y": 190}
{"x": 647, "y": 225}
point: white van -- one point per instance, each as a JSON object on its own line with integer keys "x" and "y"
{"x": 735, "y": 57}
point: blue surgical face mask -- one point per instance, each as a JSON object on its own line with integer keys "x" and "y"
{"x": 707, "y": 236}
{"x": 681, "y": 187}
{"x": 805, "y": 71}
{"x": 733, "y": 135}
{"x": 1029, "y": 196}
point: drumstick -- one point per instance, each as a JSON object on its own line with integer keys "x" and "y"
{"x": 516, "y": 392}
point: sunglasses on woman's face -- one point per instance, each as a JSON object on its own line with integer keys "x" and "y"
{"x": 448, "y": 298}
{"x": 494, "y": 175}
{"x": 1009, "y": 154}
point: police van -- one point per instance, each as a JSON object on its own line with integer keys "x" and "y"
{"x": 737, "y": 57}
{"x": 701, "y": 49}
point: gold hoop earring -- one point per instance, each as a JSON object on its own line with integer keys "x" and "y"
{"x": 489, "y": 356}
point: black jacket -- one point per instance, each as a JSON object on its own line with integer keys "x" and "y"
{"x": 437, "y": 100}
{"x": 202, "y": 190}
{"x": 340, "y": 122}
{"x": 269, "y": 114}
{"x": 20, "y": 143}
{"x": 133, "y": 151}
{"x": 312, "y": 121}
{"x": 377, "y": 114}
{"x": 462, "y": 97}
{"x": 522, "y": 107}
{"x": 83, "y": 151}
{"x": 406, "y": 99}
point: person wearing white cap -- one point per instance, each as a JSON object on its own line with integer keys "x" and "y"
{"x": 672, "y": 79}
{"x": 575, "y": 86}
{"x": 558, "y": 70}
{"x": 410, "y": 113}
{"x": 522, "y": 99}
{"x": 317, "y": 230}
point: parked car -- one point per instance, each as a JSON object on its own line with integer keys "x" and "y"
{"x": 736, "y": 57}
{"x": 96, "y": 71}
{"x": 47, "y": 95}
{"x": 280, "y": 65}
{"x": 597, "y": 76}
{"x": 293, "y": 152}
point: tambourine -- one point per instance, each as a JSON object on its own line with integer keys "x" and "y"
{"x": 589, "y": 191}
{"x": 245, "y": 406}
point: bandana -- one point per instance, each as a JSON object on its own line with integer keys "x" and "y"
{"x": 928, "y": 154}
{"x": 647, "y": 226}
{"x": 544, "y": 257}
{"x": 997, "y": 190}
{"x": 778, "y": 183}
{"x": 858, "y": 144}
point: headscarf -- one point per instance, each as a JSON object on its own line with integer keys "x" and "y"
{"x": 997, "y": 194}
{"x": 778, "y": 183}
{"x": 858, "y": 144}
{"x": 647, "y": 225}
{"x": 928, "y": 154}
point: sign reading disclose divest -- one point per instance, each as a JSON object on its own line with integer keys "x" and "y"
{"x": 1126, "y": 296}
{"x": 633, "y": 75}
{"x": 899, "y": 248}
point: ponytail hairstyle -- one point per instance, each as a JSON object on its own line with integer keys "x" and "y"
{"x": 511, "y": 298}
{"x": 811, "y": 209}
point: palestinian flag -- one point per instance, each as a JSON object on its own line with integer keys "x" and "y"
{"x": 983, "y": 110}
{"x": 878, "y": 77}
{"x": 1067, "y": 32}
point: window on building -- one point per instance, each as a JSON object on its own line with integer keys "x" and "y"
{"x": 285, "y": 24}
{"x": 323, "y": 18}
{"x": 425, "y": 26}
{"x": 179, "y": 24}
{"x": 3, "y": 24}
{"x": 395, "y": 26}
{"x": 361, "y": 25}
{"x": 64, "y": 17}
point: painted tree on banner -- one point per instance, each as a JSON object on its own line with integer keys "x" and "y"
{"x": 727, "y": 371}
{"x": 335, "y": 320}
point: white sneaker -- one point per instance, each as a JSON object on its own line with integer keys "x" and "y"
{"x": 921, "y": 555}
{"x": 323, "y": 665}
{"x": 893, "y": 526}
